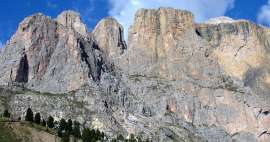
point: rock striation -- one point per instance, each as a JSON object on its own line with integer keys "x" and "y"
{"x": 174, "y": 80}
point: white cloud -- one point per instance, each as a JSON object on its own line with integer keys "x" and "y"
{"x": 264, "y": 14}
{"x": 124, "y": 10}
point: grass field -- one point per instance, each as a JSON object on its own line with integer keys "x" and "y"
{"x": 26, "y": 132}
{"x": 6, "y": 134}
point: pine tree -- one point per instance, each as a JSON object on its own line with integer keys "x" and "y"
{"x": 88, "y": 135}
{"x": 103, "y": 135}
{"x": 69, "y": 128}
{"x": 37, "y": 118}
{"x": 29, "y": 115}
{"x": 6, "y": 113}
{"x": 76, "y": 130}
{"x": 62, "y": 124}
{"x": 50, "y": 122}
{"x": 62, "y": 127}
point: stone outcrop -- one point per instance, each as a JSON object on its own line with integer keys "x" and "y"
{"x": 176, "y": 80}
{"x": 47, "y": 55}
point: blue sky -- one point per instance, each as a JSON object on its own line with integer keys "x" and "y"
{"x": 12, "y": 12}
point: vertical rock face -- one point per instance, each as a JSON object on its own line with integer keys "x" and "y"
{"x": 47, "y": 55}
{"x": 29, "y": 51}
{"x": 216, "y": 62}
{"x": 154, "y": 41}
{"x": 241, "y": 49}
{"x": 110, "y": 39}
{"x": 176, "y": 80}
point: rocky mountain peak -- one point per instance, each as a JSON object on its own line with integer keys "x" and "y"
{"x": 72, "y": 19}
{"x": 43, "y": 50}
{"x": 109, "y": 35}
{"x": 29, "y": 25}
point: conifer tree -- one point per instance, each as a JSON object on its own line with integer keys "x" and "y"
{"x": 29, "y": 115}
{"x": 50, "y": 122}
{"x": 76, "y": 130}
{"x": 69, "y": 128}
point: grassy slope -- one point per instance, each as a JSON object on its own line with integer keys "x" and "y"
{"x": 6, "y": 134}
{"x": 24, "y": 131}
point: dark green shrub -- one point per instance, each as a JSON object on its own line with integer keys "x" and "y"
{"x": 6, "y": 113}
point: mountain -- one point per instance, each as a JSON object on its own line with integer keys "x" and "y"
{"x": 173, "y": 80}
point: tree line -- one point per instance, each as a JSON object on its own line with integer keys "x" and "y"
{"x": 66, "y": 129}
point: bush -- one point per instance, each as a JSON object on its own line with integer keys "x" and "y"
{"x": 50, "y": 122}
{"x": 6, "y": 113}
{"x": 29, "y": 115}
{"x": 37, "y": 118}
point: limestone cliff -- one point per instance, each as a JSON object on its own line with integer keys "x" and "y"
{"x": 48, "y": 55}
{"x": 175, "y": 80}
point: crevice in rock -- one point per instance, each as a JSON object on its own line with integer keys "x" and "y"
{"x": 85, "y": 57}
{"x": 264, "y": 133}
{"x": 266, "y": 112}
{"x": 23, "y": 71}
{"x": 198, "y": 32}
{"x": 238, "y": 50}
{"x": 121, "y": 42}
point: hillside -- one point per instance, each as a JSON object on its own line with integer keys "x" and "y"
{"x": 24, "y": 132}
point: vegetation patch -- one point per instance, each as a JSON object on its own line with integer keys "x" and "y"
{"x": 6, "y": 134}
